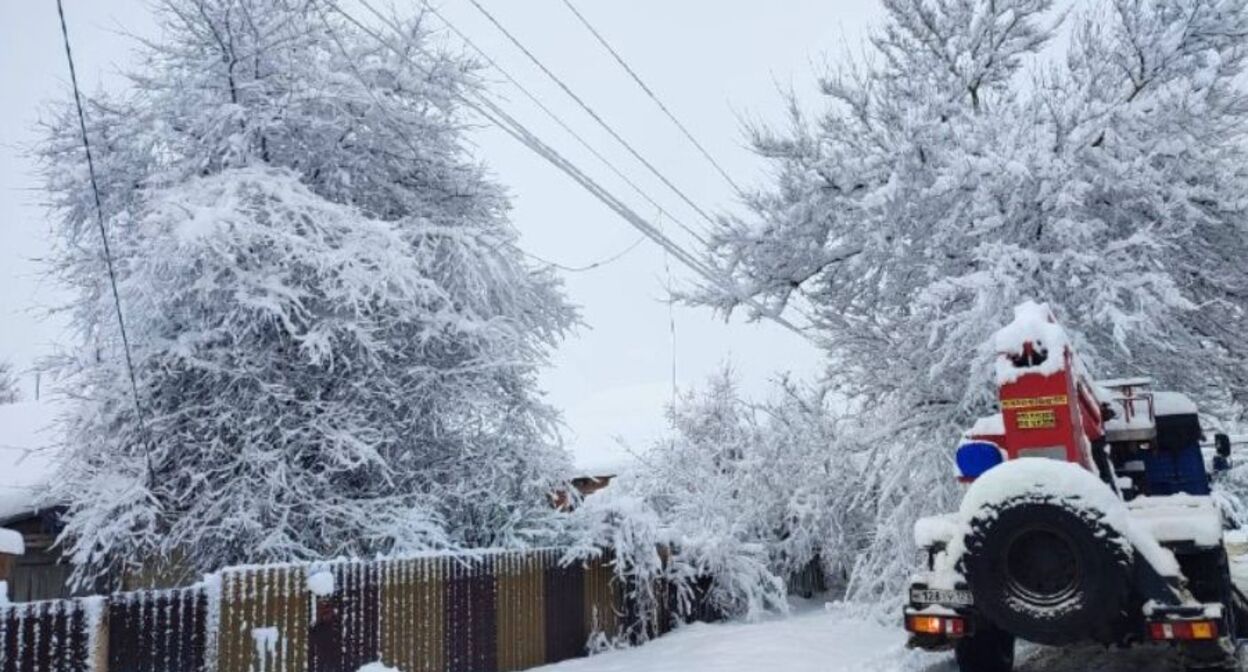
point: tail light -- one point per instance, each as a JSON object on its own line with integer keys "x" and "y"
{"x": 1166, "y": 631}
{"x": 950, "y": 626}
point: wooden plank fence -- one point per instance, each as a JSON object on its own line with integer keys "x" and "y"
{"x": 492, "y": 612}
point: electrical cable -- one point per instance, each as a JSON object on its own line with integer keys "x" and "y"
{"x": 99, "y": 216}
{"x": 333, "y": 34}
{"x": 491, "y": 112}
{"x": 650, "y": 92}
{"x": 589, "y": 267}
{"x": 598, "y": 118}
{"x": 550, "y": 113}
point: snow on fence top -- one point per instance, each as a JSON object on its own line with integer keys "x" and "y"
{"x": 1033, "y": 323}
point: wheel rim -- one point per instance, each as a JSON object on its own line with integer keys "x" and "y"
{"x": 1041, "y": 567}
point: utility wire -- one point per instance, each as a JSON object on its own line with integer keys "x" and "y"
{"x": 589, "y": 267}
{"x": 333, "y": 34}
{"x": 598, "y": 118}
{"x": 552, "y": 115}
{"x": 490, "y": 111}
{"x": 650, "y": 92}
{"x": 99, "y": 218}
{"x": 671, "y": 313}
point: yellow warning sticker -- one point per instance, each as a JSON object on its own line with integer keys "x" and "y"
{"x": 1036, "y": 419}
{"x": 1035, "y": 402}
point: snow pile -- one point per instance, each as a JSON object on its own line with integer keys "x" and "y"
{"x": 321, "y": 584}
{"x": 4, "y": 593}
{"x": 1049, "y": 480}
{"x": 11, "y": 542}
{"x": 1033, "y": 323}
{"x": 937, "y": 529}
{"x": 377, "y": 666}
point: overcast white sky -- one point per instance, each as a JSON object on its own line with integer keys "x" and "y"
{"x": 714, "y": 62}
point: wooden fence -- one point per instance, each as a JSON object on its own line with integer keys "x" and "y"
{"x": 484, "y": 613}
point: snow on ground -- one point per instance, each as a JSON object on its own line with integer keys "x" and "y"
{"x": 834, "y": 639}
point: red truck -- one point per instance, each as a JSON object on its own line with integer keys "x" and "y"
{"x": 1088, "y": 517}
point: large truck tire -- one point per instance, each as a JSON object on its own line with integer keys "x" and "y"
{"x": 989, "y": 649}
{"x": 1048, "y": 571}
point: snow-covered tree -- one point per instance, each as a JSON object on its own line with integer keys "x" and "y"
{"x": 960, "y": 170}
{"x": 9, "y": 391}
{"x": 335, "y": 337}
{"x": 742, "y": 494}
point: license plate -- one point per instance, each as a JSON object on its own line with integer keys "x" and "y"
{"x": 946, "y": 597}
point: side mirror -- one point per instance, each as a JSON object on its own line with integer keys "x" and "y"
{"x": 1222, "y": 445}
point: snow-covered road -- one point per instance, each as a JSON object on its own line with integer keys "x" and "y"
{"x": 815, "y": 639}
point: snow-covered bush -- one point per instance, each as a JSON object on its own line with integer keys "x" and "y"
{"x": 959, "y": 171}
{"x": 335, "y": 338}
{"x": 739, "y": 497}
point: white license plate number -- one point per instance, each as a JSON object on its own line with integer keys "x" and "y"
{"x": 947, "y": 597}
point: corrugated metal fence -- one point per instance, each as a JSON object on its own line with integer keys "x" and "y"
{"x": 483, "y": 613}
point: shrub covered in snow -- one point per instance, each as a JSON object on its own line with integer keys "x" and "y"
{"x": 741, "y": 496}
{"x": 335, "y": 337}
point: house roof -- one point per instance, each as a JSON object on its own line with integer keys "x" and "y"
{"x": 29, "y": 447}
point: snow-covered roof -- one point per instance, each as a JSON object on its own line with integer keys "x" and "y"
{"x": 28, "y": 452}
{"x": 1138, "y": 381}
{"x": 11, "y": 542}
{"x": 1173, "y": 403}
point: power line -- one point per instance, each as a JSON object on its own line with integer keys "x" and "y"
{"x": 650, "y": 92}
{"x": 589, "y": 267}
{"x": 333, "y": 34}
{"x": 598, "y": 118}
{"x": 490, "y": 111}
{"x": 99, "y": 217}
{"x": 551, "y": 114}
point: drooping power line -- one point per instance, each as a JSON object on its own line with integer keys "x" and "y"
{"x": 653, "y": 96}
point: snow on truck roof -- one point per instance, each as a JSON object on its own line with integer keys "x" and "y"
{"x": 1138, "y": 381}
{"x": 28, "y": 455}
{"x": 1173, "y": 403}
{"x": 1033, "y": 323}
